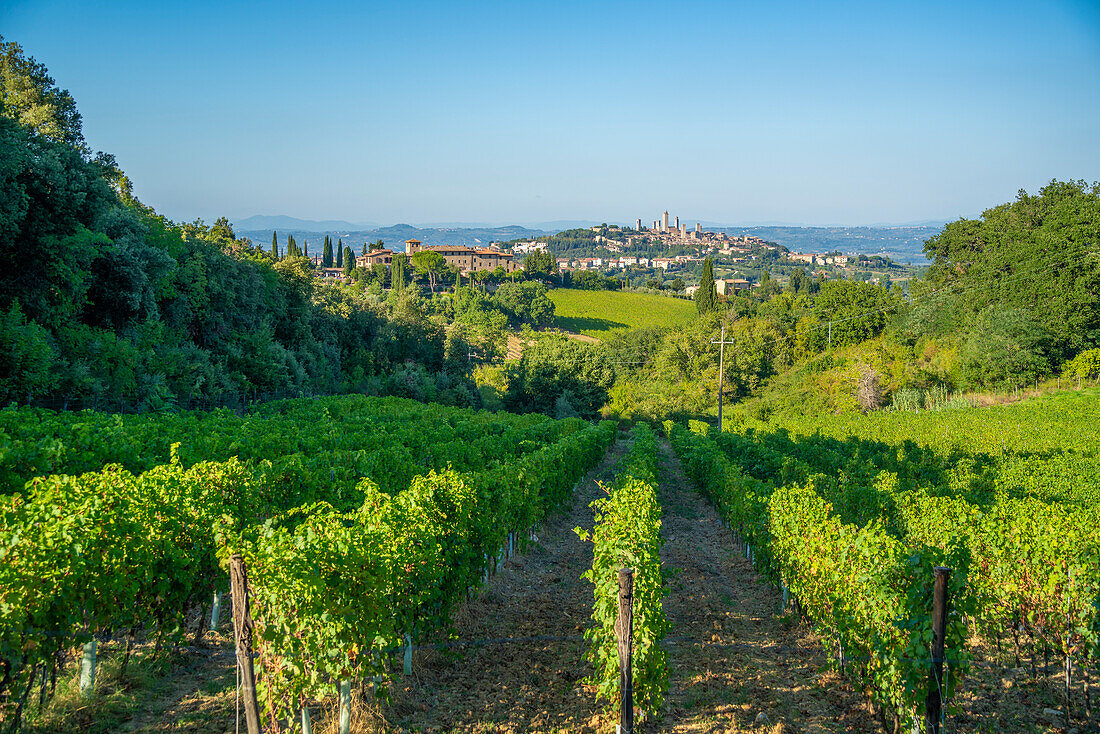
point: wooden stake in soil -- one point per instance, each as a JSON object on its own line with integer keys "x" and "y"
{"x": 624, "y": 634}
{"x": 932, "y": 705}
{"x": 242, "y": 633}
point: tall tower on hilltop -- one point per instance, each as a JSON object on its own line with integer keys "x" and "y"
{"x": 638, "y": 225}
{"x": 699, "y": 228}
{"x": 664, "y": 222}
{"x": 677, "y": 222}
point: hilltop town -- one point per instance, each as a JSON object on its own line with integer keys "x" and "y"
{"x": 669, "y": 250}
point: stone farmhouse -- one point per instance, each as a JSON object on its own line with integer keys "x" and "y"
{"x": 468, "y": 259}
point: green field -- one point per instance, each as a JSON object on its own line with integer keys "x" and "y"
{"x": 602, "y": 314}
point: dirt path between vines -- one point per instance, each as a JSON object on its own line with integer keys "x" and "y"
{"x": 732, "y": 655}
{"x": 736, "y": 663}
{"x": 515, "y": 687}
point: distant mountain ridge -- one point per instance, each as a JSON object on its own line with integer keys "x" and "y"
{"x": 394, "y": 237}
{"x": 903, "y": 243}
{"x": 282, "y": 221}
{"x": 900, "y": 243}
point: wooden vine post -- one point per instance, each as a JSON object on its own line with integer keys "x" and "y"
{"x": 242, "y": 634}
{"x": 624, "y": 634}
{"x": 933, "y": 703}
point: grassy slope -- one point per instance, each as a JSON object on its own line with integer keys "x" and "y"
{"x": 602, "y": 314}
{"x": 1043, "y": 420}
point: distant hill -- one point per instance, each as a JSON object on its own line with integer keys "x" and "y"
{"x": 394, "y": 237}
{"x": 902, "y": 244}
{"x": 293, "y": 224}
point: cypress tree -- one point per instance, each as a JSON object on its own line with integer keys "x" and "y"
{"x": 305, "y": 248}
{"x": 326, "y": 253}
{"x": 275, "y": 245}
{"x": 706, "y": 298}
{"x": 291, "y": 246}
{"x": 364, "y": 248}
{"x": 339, "y": 254}
{"x": 349, "y": 261}
{"x": 397, "y": 272}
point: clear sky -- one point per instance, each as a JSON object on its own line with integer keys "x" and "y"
{"x": 732, "y": 112}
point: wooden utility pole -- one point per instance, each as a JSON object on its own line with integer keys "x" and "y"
{"x": 721, "y": 370}
{"x": 242, "y": 628}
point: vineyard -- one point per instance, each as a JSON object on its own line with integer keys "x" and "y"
{"x": 850, "y": 517}
{"x": 351, "y": 551}
{"x": 602, "y": 314}
{"x": 374, "y": 532}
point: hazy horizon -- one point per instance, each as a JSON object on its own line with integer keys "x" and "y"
{"x": 786, "y": 114}
{"x": 569, "y": 223}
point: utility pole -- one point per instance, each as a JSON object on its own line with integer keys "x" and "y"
{"x": 721, "y": 370}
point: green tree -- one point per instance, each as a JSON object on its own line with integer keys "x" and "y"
{"x": 379, "y": 270}
{"x": 326, "y": 253}
{"x": 540, "y": 263}
{"x": 376, "y": 245}
{"x": 26, "y": 357}
{"x": 275, "y": 245}
{"x": 1085, "y": 364}
{"x": 480, "y": 276}
{"x": 555, "y": 366}
{"x": 525, "y": 303}
{"x": 1007, "y": 347}
{"x": 399, "y": 272}
{"x": 799, "y": 282}
{"x": 430, "y": 263}
{"x": 29, "y": 96}
{"x": 706, "y": 298}
{"x": 339, "y": 254}
{"x": 349, "y": 261}
{"x": 857, "y": 311}
{"x": 1039, "y": 249}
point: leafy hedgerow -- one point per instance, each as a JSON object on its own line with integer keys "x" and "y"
{"x": 627, "y": 534}
{"x": 857, "y": 545}
{"x": 339, "y": 567}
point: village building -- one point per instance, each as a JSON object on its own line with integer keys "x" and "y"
{"x": 384, "y": 257}
{"x": 467, "y": 259}
{"x": 730, "y": 286}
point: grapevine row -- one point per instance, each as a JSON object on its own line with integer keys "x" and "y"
{"x": 332, "y": 592}
{"x": 418, "y": 437}
{"x": 627, "y": 534}
{"x": 1032, "y": 562}
{"x": 861, "y": 587}
{"x": 109, "y": 552}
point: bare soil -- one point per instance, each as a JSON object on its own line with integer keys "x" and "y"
{"x": 532, "y": 685}
{"x": 736, "y": 661}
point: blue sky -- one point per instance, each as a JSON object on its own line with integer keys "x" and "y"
{"x": 732, "y": 112}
